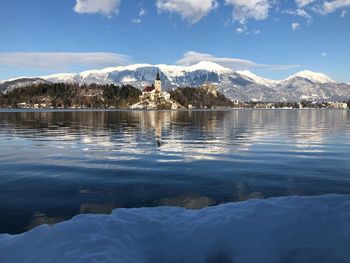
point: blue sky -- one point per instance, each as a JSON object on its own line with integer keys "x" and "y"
{"x": 270, "y": 38}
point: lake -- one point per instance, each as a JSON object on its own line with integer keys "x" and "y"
{"x": 54, "y": 165}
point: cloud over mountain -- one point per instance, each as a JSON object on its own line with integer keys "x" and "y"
{"x": 193, "y": 57}
{"x": 61, "y": 60}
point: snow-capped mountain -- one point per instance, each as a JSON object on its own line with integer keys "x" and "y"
{"x": 142, "y": 74}
{"x": 237, "y": 85}
{"x": 311, "y": 76}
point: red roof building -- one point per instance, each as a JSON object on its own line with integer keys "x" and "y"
{"x": 148, "y": 89}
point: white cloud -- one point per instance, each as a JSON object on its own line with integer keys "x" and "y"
{"x": 192, "y": 57}
{"x": 240, "y": 30}
{"x": 244, "y": 29}
{"x": 324, "y": 54}
{"x": 295, "y": 26}
{"x": 302, "y": 3}
{"x": 104, "y": 7}
{"x": 249, "y": 9}
{"x": 142, "y": 12}
{"x": 343, "y": 14}
{"x": 331, "y": 6}
{"x": 61, "y": 60}
{"x": 136, "y": 21}
{"x": 190, "y": 10}
{"x": 256, "y": 32}
{"x": 299, "y": 12}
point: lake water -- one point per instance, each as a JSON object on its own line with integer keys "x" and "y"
{"x": 54, "y": 165}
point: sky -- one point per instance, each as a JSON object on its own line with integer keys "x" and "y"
{"x": 273, "y": 39}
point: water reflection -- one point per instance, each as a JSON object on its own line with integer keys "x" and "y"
{"x": 179, "y": 131}
{"x": 66, "y": 163}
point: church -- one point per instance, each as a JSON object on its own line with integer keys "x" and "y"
{"x": 155, "y": 91}
{"x": 156, "y": 87}
{"x": 153, "y": 97}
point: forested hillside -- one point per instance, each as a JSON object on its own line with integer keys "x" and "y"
{"x": 200, "y": 98}
{"x": 63, "y": 95}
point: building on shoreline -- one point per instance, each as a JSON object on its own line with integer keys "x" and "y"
{"x": 153, "y": 98}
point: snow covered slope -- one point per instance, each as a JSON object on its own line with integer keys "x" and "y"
{"x": 63, "y": 77}
{"x": 288, "y": 229}
{"x": 239, "y": 85}
{"x": 257, "y": 79}
{"x": 312, "y": 76}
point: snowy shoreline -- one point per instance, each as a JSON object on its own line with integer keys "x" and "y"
{"x": 285, "y": 229}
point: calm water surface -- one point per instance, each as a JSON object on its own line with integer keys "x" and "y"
{"x": 54, "y": 165}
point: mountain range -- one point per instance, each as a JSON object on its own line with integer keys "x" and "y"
{"x": 236, "y": 85}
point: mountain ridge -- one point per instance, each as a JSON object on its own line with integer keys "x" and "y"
{"x": 237, "y": 85}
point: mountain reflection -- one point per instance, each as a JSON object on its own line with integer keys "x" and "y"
{"x": 185, "y": 136}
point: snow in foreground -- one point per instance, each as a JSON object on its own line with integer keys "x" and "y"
{"x": 283, "y": 230}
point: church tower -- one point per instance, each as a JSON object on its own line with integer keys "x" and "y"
{"x": 158, "y": 83}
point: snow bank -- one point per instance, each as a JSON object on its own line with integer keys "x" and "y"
{"x": 283, "y": 230}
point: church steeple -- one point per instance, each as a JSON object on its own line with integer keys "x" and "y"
{"x": 158, "y": 83}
